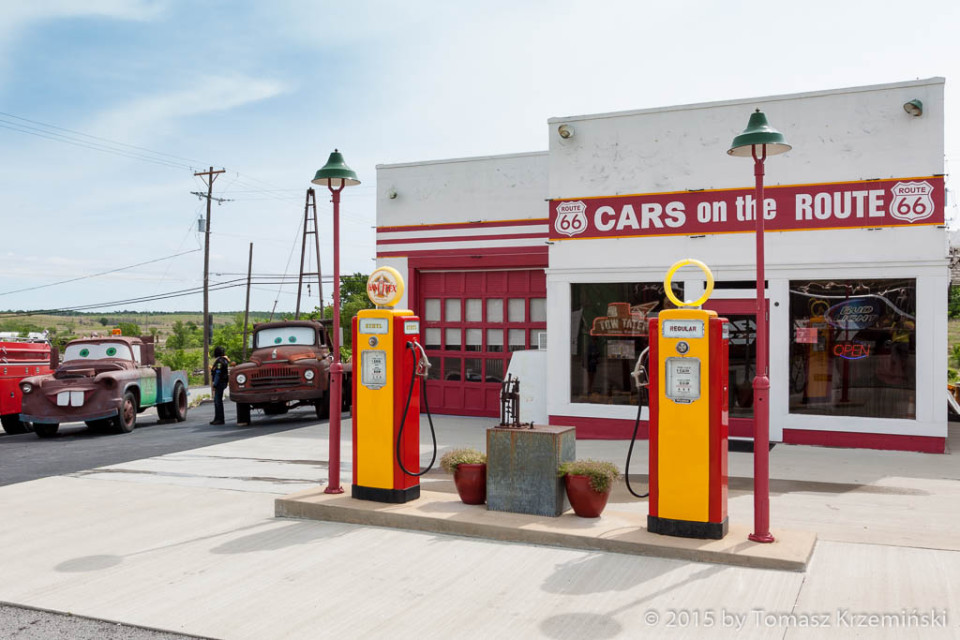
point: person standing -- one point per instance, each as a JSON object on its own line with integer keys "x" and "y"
{"x": 219, "y": 377}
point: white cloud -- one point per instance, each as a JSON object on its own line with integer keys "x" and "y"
{"x": 131, "y": 120}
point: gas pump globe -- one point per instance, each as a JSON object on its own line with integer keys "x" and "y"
{"x": 689, "y": 409}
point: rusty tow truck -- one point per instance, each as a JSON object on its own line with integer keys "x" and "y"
{"x": 289, "y": 367}
{"x": 104, "y": 382}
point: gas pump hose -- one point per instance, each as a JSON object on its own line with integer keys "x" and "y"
{"x": 626, "y": 471}
{"x": 403, "y": 418}
{"x": 640, "y": 378}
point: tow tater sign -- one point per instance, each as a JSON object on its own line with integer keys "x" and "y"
{"x": 843, "y": 205}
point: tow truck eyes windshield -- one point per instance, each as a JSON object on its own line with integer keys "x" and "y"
{"x": 97, "y": 351}
{"x": 285, "y": 336}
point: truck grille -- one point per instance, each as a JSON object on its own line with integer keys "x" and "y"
{"x": 275, "y": 376}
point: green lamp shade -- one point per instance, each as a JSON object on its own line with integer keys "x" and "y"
{"x": 758, "y": 132}
{"x": 336, "y": 172}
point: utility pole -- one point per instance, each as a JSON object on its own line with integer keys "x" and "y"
{"x": 211, "y": 175}
{"x": 246, "y": 308}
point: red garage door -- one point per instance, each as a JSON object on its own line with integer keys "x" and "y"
{"x": 472, "y": 321}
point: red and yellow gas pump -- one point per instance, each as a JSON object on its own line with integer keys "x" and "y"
{"x": 689, "y": 417}
{"x": 388, "y": 366}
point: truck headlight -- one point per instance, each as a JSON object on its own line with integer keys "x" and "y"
{"x": 241, "y": 378}
{"x": 309, "y": 374}
{"x": 26, "y": 387}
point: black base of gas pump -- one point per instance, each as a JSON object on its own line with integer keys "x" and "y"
{"x": 687, "y": 528}
{"x": 393, "y": 496}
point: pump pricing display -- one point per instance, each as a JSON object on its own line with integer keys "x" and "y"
{"x": 373, "y": 369}
{"x": 682, "y": 379}
{"x": 373, "y": 325}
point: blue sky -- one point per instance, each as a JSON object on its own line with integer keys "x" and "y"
{"x": 267, "y": 89}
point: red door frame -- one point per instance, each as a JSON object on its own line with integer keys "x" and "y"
{"x": 739, "y": 427}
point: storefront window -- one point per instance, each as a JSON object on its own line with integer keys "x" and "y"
{"x": 608, "y": 332}
{"x": 853, "y": 348}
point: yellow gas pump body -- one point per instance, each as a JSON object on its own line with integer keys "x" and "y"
{"x": 383, "y": 384}
{"x": 689, "y": 419}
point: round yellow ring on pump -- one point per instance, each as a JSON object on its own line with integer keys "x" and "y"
{"x": 669, "y": 277}
{"x": 385, "y": 287}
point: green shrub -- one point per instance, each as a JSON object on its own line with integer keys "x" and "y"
{"x": 456, "y": 457}
{"x": 601, "y": 474}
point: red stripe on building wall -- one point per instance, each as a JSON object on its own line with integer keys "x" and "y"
{"x": 472, "y": 238}
{"x": 464, "y": 225}
{"x": 589, "y": 428}
{"x": 506, "y": 255}
{"x": 846, "y": 439}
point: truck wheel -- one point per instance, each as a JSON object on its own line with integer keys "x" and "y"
{"x": 46, "y": 429}
{"x": 164, "y": 411}
{"x": 276, "y": 408}
{"x": 178, "y": 408}
{"x": 12, "y": 425}
{"x": 126, "y": 419}
{"x": 243, "y": 414}
{"x": 323, "y": 406}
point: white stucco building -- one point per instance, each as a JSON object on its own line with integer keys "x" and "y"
{"x": 567, "y": 249}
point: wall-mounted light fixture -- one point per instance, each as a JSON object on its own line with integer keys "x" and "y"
{"x": 565, "y": 131}
{"x": 914, "y": 108}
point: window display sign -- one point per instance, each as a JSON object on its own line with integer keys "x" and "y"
{"x": 855, "y": 314}
{"x": 621, "y": 350}
{"x": 806, "y": 335}
{"x": 842, "y": 205}
{"x": 623, "y": 319}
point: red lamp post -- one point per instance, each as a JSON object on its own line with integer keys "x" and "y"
{"x": 335, "y": 175}
{"x": 758, "y": 141}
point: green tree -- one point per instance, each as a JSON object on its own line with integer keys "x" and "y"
{"x": 129, "y": 328}
{"x": 230, "y": 337}
{"x": 180, "y": 360}
{"x": 104, "y": 321}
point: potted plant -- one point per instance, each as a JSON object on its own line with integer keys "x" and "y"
{"x": 469, "y": 469}
{"x": 588, "y": 484}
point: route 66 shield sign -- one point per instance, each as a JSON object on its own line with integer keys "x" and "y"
{"x": 571, "y": 218}
{"x": 912, "y": 201}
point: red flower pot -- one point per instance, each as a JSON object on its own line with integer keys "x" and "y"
{"x": 586, "y": 502}
{"x": 471, "y": 481}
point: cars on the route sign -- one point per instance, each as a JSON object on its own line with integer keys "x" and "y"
{"x": 104, "y": 382}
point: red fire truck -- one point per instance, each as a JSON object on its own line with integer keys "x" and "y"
{"x": 19, "y": 358}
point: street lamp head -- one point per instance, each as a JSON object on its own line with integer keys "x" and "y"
{"x": 336, "y": 173}
{"x": 758, "y": 132}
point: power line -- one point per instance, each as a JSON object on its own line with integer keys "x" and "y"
{"x": 95, "y": 275}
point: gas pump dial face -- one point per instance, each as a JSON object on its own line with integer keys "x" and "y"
{"x": 682, "y": 379}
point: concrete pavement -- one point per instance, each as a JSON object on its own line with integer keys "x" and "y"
{"x": 187, "y": 543}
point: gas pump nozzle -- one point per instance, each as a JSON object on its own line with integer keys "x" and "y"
{"x": 423, "y": 362}
{"x": 639, "y": 374}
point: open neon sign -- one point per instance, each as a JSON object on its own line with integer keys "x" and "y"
{"x": 851, "y": 350}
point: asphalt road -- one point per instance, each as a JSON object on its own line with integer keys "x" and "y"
{"x": 75, "y": 448}
{"x": 20, "y": 623}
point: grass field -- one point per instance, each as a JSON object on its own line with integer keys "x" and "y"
{"x": 85, "y": 324}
